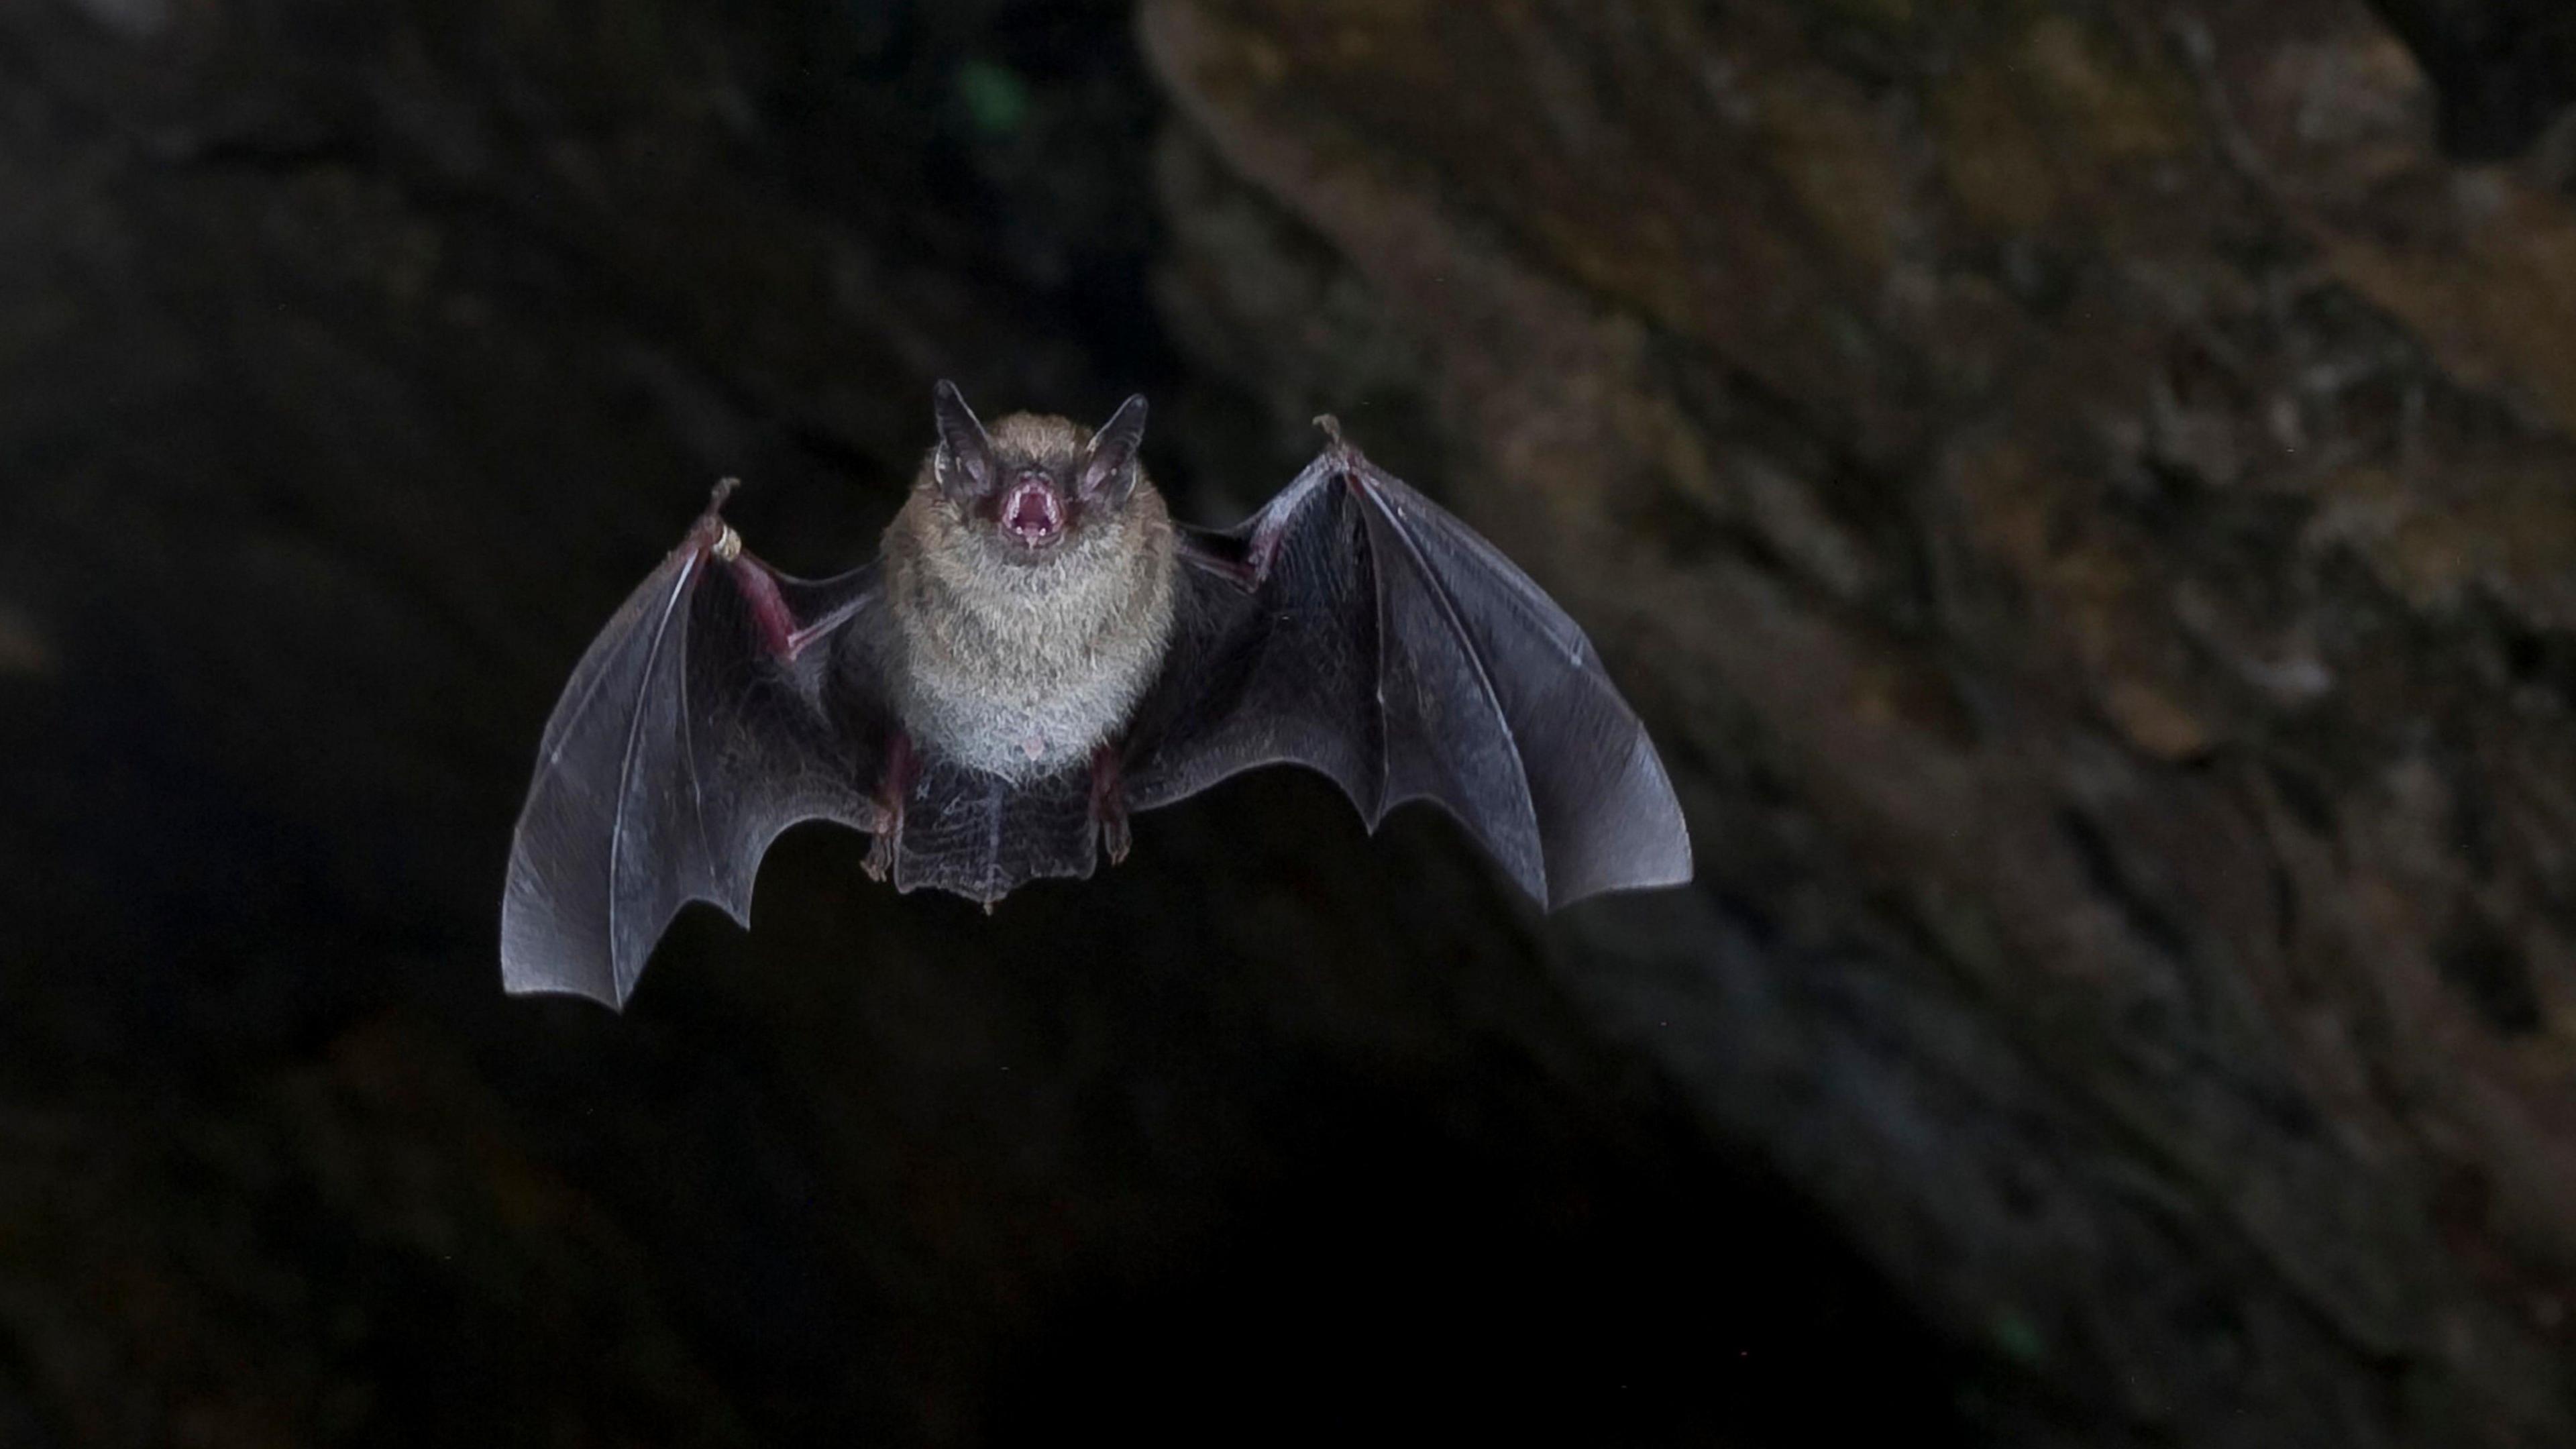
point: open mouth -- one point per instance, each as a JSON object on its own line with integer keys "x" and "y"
{"x": 1033, "y": 513}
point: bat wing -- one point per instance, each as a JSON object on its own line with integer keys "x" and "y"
{"x": 1354, "y": 627}
{"x": 683, "y": 745}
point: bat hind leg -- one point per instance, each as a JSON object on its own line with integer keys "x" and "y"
{"x": 902, "y": 771}
{"x": 1109, "y": 802}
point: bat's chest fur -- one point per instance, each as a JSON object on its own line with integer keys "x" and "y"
{"x": 1023, "y": 671}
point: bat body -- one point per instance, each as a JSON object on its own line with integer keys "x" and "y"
{"x": 1021, "y": 668}
{"x": 1039, "y": 651}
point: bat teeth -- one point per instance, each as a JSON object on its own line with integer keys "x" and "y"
{"x": 1033, "y": 511}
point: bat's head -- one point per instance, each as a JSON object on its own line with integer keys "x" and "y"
{"x": 1034, "y": 486}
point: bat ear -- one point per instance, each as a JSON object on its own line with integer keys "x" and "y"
{"x": 1109, "y": 463}
{"x": 964, "y": 466}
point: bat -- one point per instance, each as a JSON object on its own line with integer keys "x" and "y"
{"x": 1037, "y": 652}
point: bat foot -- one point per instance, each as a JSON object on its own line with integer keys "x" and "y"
{"x": 1109, "y": 803}
{"x": 902, "y": 769}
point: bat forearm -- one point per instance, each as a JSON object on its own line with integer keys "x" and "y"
{"x": 777, "y": 622}
{"x": 1271, "y": 526}
{"x": 1272, "y": 529}
{"x": 779, "y": 628}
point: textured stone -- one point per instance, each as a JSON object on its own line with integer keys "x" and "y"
{"x": 2189, "y": 430}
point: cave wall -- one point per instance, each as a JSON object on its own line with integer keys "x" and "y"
{"x": 2085, "y": 494}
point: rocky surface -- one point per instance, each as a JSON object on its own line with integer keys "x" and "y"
{"x": 2087, "y": 491}
{"x": 2083, "y": 494}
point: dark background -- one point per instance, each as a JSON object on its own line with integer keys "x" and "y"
{"x": 2083, "y": 494}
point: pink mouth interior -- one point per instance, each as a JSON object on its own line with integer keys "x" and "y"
{"x": 1032, "y": 511}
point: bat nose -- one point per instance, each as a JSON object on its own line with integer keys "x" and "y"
{"x": 1033, "y": 512}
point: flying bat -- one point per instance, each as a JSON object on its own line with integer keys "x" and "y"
{"x": 1037, "y": 652}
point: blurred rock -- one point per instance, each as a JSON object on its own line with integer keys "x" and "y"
{"x": 2084, "y": 494}
{"x": 2504, "y": 68}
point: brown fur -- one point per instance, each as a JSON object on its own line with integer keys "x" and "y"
{"x": 1022, "y": 669}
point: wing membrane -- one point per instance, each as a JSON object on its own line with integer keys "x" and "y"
{"x": 1356, "y": 628}
{"x": 679, "y": 750}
